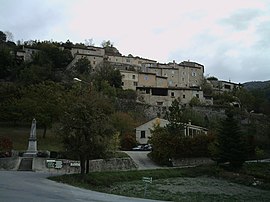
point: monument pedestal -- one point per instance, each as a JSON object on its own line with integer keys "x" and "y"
{"x": 32, "y": 144}
{"x": 32, "y": 148}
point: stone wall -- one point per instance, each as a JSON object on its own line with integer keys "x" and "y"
{"x": 11, "y": 163}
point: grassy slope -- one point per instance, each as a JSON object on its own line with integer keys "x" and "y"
{"x": 20, "y": 135}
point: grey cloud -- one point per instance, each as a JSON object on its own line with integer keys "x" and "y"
{"x": 240, "y": 20}
{"x": 28, "y": 21}
{"x": 263, "y": 32}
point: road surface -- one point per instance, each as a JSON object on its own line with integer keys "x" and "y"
{"x": 22, "y": 186}
{"x": 142, "y": 160}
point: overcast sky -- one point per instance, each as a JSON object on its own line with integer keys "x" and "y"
{"x": 231, "y": 38}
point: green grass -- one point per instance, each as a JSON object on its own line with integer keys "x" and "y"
{"x": 20, "y": 135}
{"x": 129, "y": 183}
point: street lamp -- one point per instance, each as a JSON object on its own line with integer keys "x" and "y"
{"x": 81, "y": 81}
{"x": 77, "y": 79}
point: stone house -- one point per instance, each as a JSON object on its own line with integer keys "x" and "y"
{"x": 185, "y": 74}
{"x": 129, "y": 79}
{"x": 143, "y": 132}
{"x": 224, "y": 86}
{"x": 26, "y": 54}
{"x": 164, "y": 96}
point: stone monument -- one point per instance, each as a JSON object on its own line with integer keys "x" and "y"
{"x": 32, "y": 143}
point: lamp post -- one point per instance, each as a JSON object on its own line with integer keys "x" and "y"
{"x": 82, "y": 81}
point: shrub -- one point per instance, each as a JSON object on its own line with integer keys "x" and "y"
{"x": 6, "y": 146}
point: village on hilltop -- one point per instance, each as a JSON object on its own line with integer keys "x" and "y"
{"x": 155, "y": 83}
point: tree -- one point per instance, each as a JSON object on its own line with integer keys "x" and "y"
{"x": 3, "y": 37}
{"x": 174, "y": 116}
{"x": 105, "y": 72}
{"x": 230, "y": 142}
{"x": 105, "y": 44}
{"x": 125, "y": 125}
{"x": 42, "y": 101}
{"x": 83, "y": 66}
{"x": 85, "y": 128}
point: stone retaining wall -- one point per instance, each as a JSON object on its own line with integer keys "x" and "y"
{"x": 10, "y": 163}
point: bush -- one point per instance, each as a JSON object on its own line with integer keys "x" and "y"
{"x": 6, "y": 145}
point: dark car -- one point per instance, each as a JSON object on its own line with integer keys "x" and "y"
{"x": 147, "y": 147}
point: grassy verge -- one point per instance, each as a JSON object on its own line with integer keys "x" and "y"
{"x": 175, "y": 184}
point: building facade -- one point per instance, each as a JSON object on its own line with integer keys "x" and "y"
{"x": 143, "y": 132}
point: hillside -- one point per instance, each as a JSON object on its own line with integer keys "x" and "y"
{"x": 256, "y": 85}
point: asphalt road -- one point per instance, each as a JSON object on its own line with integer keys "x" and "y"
{"x": 21, "y": 186}
{"x": 142, "y": 160}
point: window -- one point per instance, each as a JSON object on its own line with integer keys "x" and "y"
{"x": 143, "y": 134}
{"x": 133, "y": 76}
{"x": 184, "y": 96}
{"x": 128, "y": 60}
{"x": 160, "y": 103}
{"x": 123, "y": 75}
{"x": 94, "y": 62}
{"x": 172, "y": 94}
{"x": 135, "y": 83}
{"x": 122, "y": 84}
{"x": 197, "y": 95}
{"x": 193, "y": 73}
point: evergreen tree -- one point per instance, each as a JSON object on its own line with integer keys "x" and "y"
{"x": 174, "y": 116}
{"x": 231, "y": 144}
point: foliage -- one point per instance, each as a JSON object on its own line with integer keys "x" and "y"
{"x": 171, "y": 142}
{"x": 231, "y": 143}
{"x": 126, "y": 94}
{"x": 10, "y": 94}
{"x": 42, "y": 101}
{"x": 107, "y": 44}
{"x": 7, "y": 61}
{"x": 3, "y": 37}
{"x": 224, "y": 99}
{"x": 6, "y": 144}
{"x": 212, "y": 78}
{"x": 174, "y": 116}
{"x": 85, "y": 127}
{"x": 83, "y": 66}
{"x": 124, "y": 124}
{"x": 207, "y": 88}
{"x": 35, "y": 74}
{"x": 259, "y": 153}
{"x": 194, "y": 102}
{"x": 106, "y": 73}
{"x": 168, "y": 146}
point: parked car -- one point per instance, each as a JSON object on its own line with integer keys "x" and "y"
{"x": 138, "y": 148}
{"x": 146, "y": 147}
